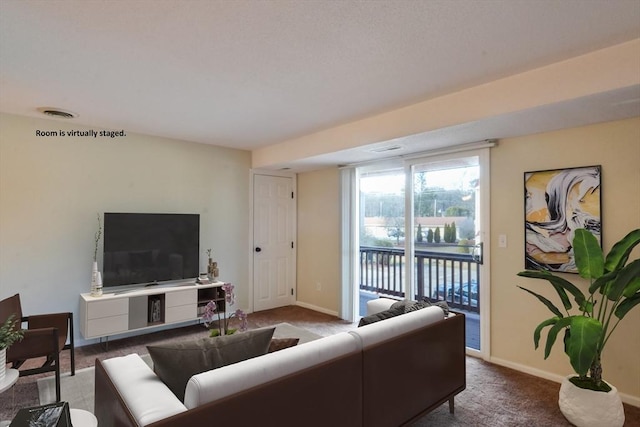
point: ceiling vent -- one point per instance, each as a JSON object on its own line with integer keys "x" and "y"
{"x": 57, "y": 112}
{"x": 386, "y": 149}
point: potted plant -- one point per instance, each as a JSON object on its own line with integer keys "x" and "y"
{"x": 614, "y": 289}
{"x": 212, "y": 309}
{"x": 8, "y": 335}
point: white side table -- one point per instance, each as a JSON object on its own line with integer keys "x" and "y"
{"x": 82, "y": 418}
{"x": 7, "y": 382}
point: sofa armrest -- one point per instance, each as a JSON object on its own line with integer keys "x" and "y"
{"x": 379, "y": 304}
{"x": 432, "y": 361}
{"x": 139, "y": 393}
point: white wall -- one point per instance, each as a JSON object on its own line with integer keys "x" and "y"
{"x": 515, "y": 314}
{"x": 51, "y": 189}
{"x": 318, "y": 282}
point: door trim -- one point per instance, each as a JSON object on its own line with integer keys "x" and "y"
{"x": 294, "y": 186}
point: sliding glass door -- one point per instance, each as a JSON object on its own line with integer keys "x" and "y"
{"x": 446, "y": 232}
{"x": 421, "y": 227}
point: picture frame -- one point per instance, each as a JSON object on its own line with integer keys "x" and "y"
{"x": 556, "y": 203}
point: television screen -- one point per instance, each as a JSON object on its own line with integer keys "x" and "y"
{"x": 150, "y": 248}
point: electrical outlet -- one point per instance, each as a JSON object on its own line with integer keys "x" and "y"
{"x": 502, "y": 241}
{"x": 318, "y": 286}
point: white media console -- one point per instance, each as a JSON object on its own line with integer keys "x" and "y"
{"x": 143, "y": 308}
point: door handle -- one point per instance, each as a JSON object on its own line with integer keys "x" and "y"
{"x": 258, "y": 249}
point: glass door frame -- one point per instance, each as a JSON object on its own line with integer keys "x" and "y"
{"x": 350, "y": 213}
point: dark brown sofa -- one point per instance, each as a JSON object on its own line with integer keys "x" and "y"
{"x": 397, "y": 370}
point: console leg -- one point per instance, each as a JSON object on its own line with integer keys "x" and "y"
{"x": 105, "y": 344}
{"x": 451, "y": 405}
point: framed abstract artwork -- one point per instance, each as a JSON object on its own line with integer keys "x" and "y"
{"x": 557, "y": 202}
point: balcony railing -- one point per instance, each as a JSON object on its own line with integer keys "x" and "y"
{"x": 447, "y": 276}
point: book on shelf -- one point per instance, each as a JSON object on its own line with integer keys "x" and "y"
{"x": 51, "y": 415}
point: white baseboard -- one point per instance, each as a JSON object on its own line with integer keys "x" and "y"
{"x": 316, "y": 308}
{"x": 626, "y": 398}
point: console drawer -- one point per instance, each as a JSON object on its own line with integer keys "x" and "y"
{"x": 108, "y": 308}
{"x": 180, "y": 313}
{"x": 107, "y": 326}
{"x": 177, "y": 298}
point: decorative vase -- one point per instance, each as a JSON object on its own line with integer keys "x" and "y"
{"x": 3, "y": 363}
{"x": 212, "y": 270}
{"x": 96, "y": 281}
{"x": 589, "y": 408}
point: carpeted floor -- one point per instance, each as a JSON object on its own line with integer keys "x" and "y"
{"x": 495, "y": 396}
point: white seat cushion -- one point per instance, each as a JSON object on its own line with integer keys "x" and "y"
{"x": 228, "y": 380}
{"x": 146, "y": 396}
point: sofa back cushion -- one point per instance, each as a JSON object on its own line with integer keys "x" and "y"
{"x": 229, "y": 380}
{"x": 375, "y": 333}
{"x": 146, "y": 396}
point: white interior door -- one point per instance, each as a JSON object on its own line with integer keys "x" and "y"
{"x": 273, "y": 242}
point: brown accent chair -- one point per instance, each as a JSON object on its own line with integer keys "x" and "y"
{"x": 46, "y": 336}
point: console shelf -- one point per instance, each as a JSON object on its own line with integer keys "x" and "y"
{"x": 120, "y": 312}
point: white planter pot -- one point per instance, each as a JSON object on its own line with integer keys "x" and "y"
{"x": 588, "y": 408}
{"x": 3, "y": 363}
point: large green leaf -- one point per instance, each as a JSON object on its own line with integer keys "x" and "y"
{"x": 588, "y": 254}
{"x": 553, "y": 333}
{"x": 559, "y": 284}
{"x": 545, "y": 301}
{"x": 540, "y": 327}
{"x": 582, "y": 343}
{"x": 619, "y": 253}
{"x": 626, "y": 305}
{"x": 625, "y": 277}
{"x": 632, "y": 287}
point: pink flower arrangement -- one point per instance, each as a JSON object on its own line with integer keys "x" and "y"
{"x": 211, "y": 312}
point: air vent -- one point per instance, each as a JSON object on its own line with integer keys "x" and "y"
{"x": 56, "y": 112}
{"x": 386, "y": 149}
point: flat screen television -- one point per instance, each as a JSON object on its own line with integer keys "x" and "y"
{"x": 150, "y": 248}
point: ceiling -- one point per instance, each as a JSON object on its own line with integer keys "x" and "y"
{"x": 250, "y": 74}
